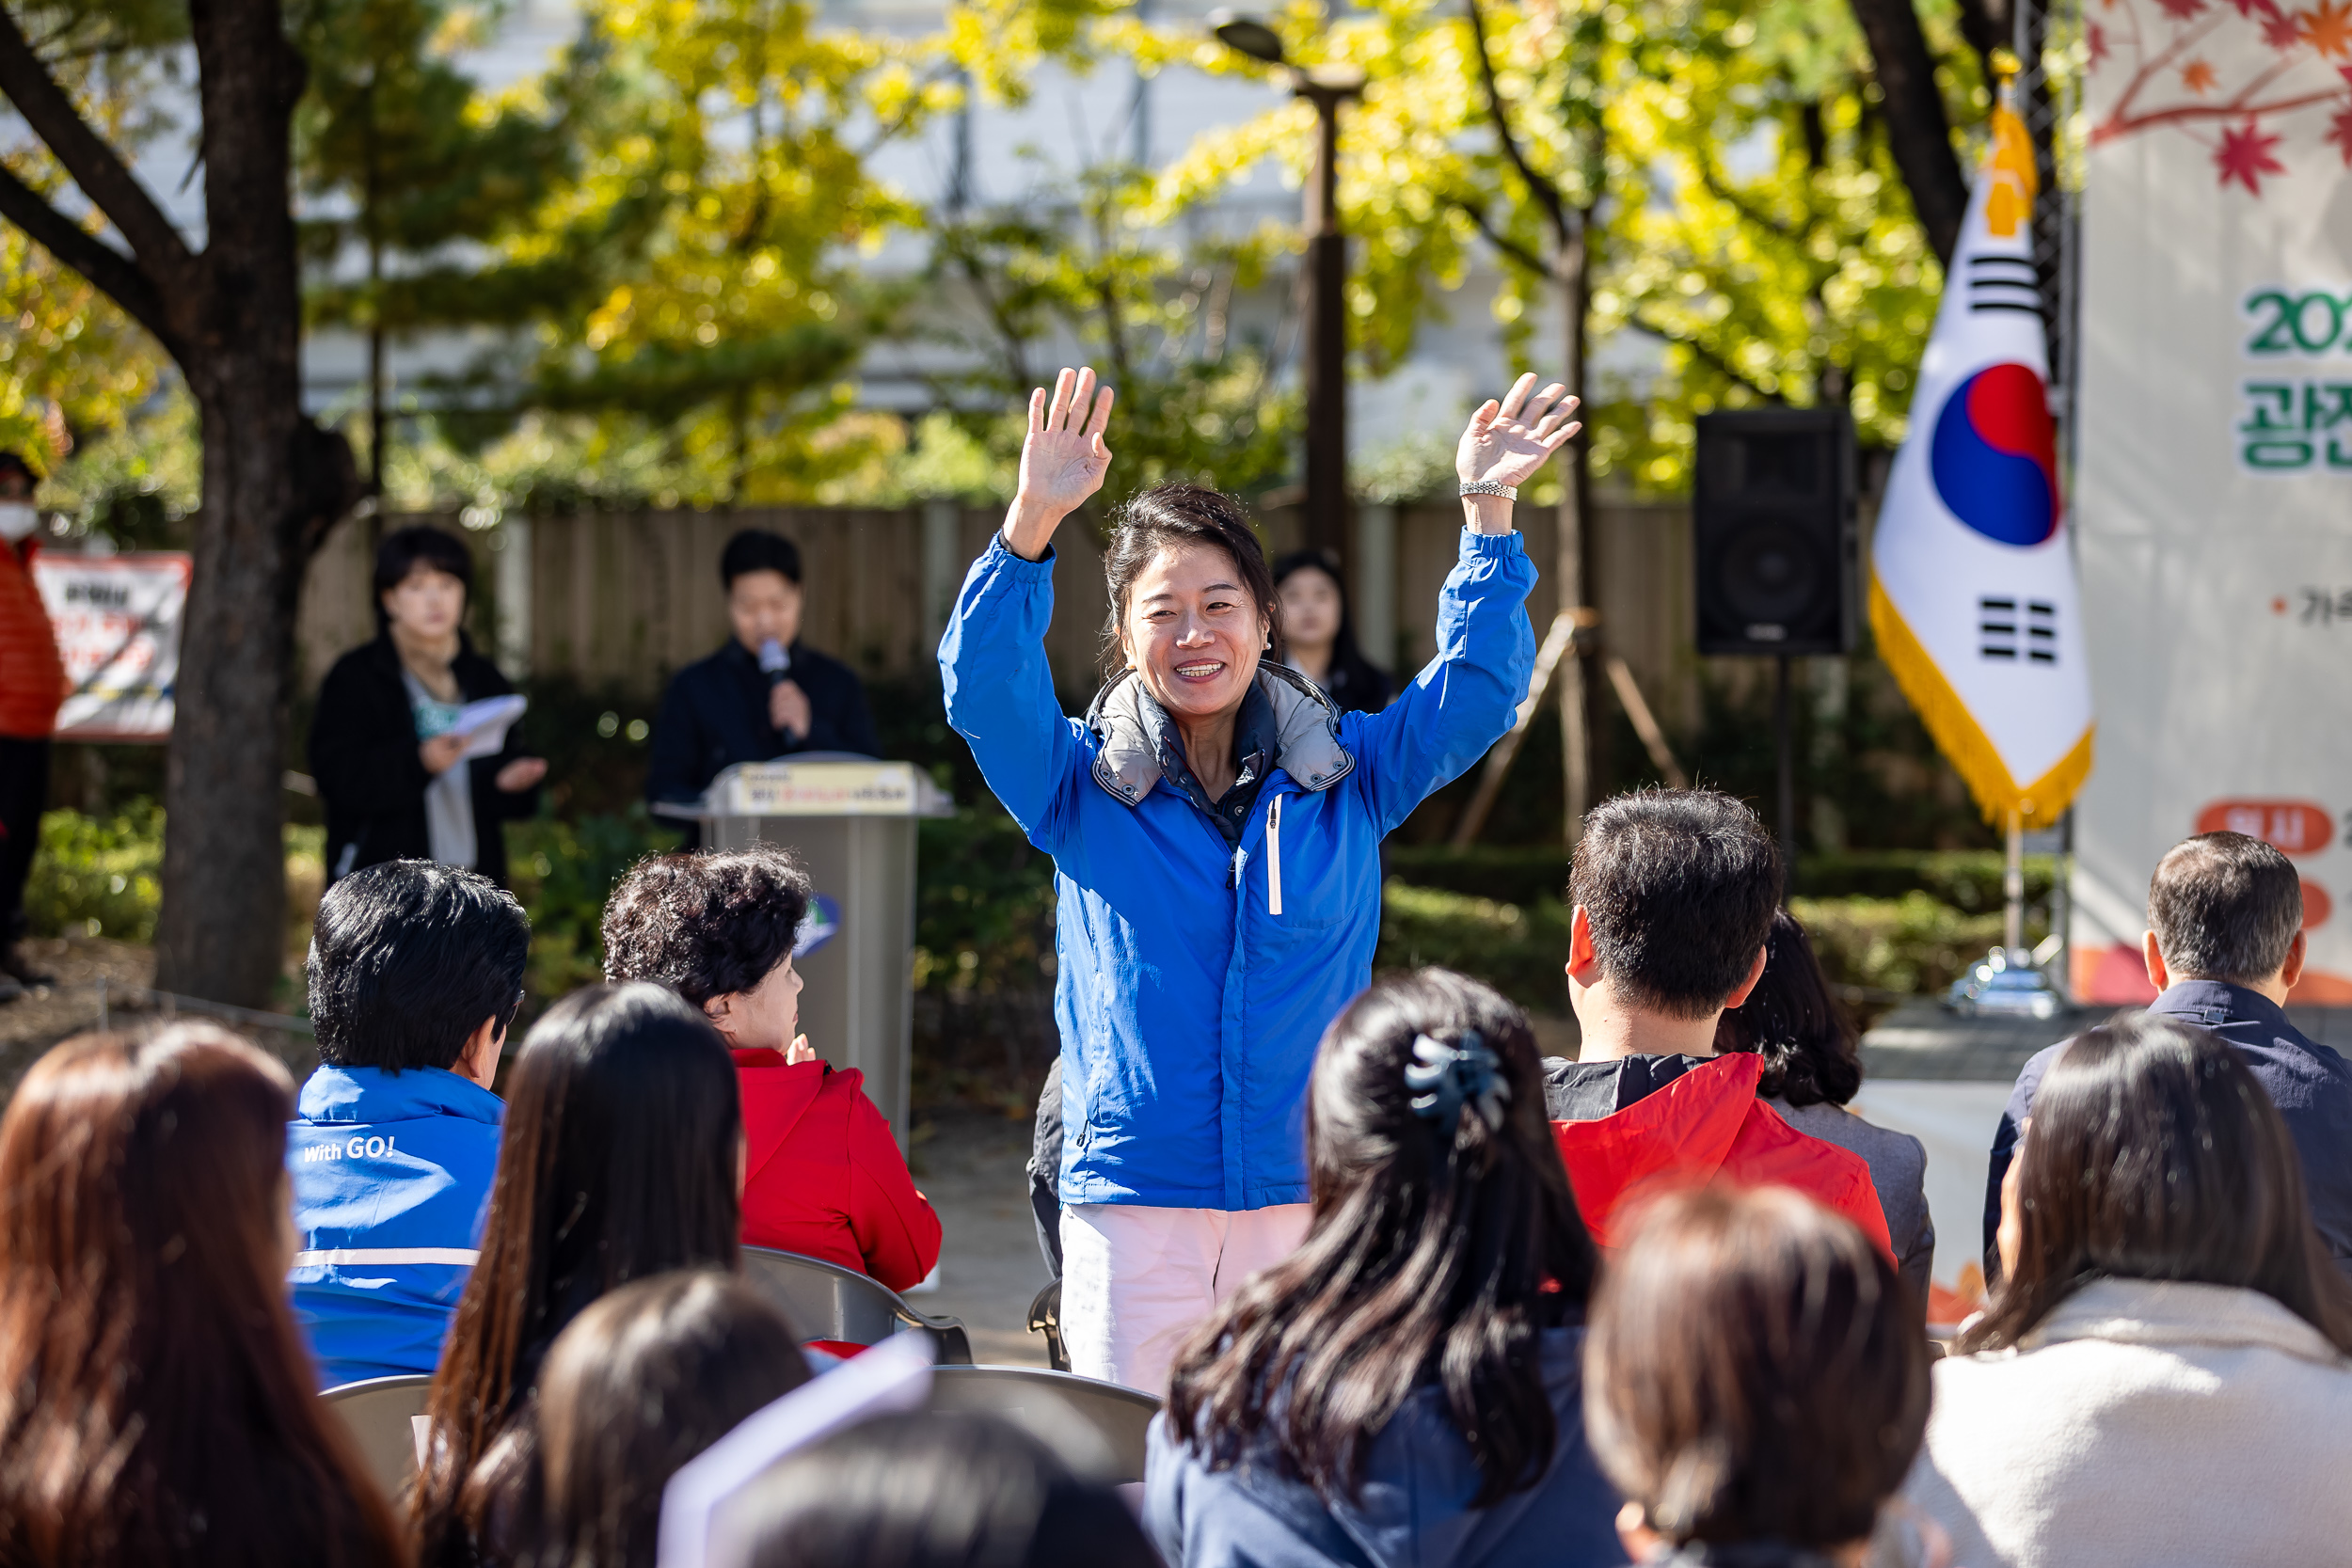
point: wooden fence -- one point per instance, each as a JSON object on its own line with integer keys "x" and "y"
{"x": 624, "y": 599}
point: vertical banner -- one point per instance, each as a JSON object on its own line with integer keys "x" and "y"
{"x": 2215, "y": 500}
{"x": 117, "y": 619}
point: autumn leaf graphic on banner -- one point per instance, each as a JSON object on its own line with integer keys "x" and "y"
{"x": 2255, "y": 115}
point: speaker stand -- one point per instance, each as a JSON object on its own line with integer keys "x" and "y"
{"x": 1785, "y": 745}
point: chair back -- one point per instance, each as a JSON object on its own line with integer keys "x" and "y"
{"x": 380, "y": 1416}
{"x": 1098, "y": 1429}
{"x": 825, "y": 1301}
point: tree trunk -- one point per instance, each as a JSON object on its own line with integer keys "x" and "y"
{"x": 1574, "y": 546}
{"x": 1917, "y": 132}
{"x": 268, "y": 472}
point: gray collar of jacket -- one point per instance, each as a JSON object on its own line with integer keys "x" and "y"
{"x": 1305, "y": 725}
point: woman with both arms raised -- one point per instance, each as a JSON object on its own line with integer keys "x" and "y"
{"x": 1216, "y": 825}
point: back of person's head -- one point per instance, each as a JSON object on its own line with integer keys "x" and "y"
{"x": 933, "y": 1490}
{"x": 408, "y": 959}
{"x": 1791, "y": 1021}
{"x": 708, "y": 924}
{"x": 1679, "y": 886}
{"x": 156, "y": 1404}
{"x": 641, "y": 1382}
{"x": 619, "y": 1161}
{"x": 1755, "y": 1373}
{"x": 2153, "y": 1154}
{"x": 759, "y": 550}
{"x": 2225, "y": 907}
{"x": 1444, "y": 1238}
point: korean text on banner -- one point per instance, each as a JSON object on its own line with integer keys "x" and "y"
{"x": 1973, "y": 597}
{"x": 117, "y": 619}
{"x": 2215, "y": 480}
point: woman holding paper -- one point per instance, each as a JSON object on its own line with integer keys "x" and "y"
{"x": 414, "y": 745}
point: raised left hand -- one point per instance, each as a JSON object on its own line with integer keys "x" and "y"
{"x": 521, "y": 774}
{"x": 1509, "y": 440}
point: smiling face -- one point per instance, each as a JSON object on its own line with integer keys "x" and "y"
{"x": 1193, "y": 631}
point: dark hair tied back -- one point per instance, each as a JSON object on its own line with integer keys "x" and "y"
{"x": 1170, "y": 516}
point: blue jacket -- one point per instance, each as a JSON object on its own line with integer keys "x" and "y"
{"x": 1195, "y": 979}
{"x": 1414, "y": 1509}
{"x": 2310, "y": 1085}
{"x": 391, "y": 1173}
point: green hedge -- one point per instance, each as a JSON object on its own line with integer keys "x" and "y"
{"x": 98, "y": 876}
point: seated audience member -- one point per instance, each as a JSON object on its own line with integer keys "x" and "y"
{"x": 624, "y": 1143}
{"x": 155, "y": 1399}
{"x": 1674, "y": 893}
{"x": 416, "y": 970}
{"x": 641, "y": 1382}
{"x": 1755, "y": 1384}
{"x": 1404, "y": 1386}
{"x": 1811, "y": 1069}
{"x": 933, "y": 1490}
{"x": 2224, "y": 948}
{"x": 2162, "y": 1373}
{"x": 822, "y": 1176}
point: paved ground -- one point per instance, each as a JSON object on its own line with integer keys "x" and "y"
{"x": 973, "y": 1166}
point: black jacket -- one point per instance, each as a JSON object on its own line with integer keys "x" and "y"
{"x": 363, "y": 753}
{"x": 2310, "y": 1085}
{"x": 715, "y": 715}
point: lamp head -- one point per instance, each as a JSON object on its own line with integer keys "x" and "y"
{"x": 1238, "y": 30}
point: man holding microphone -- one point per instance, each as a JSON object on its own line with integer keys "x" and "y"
{"x": 762, "y": 696}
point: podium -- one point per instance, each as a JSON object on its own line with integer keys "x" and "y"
{"x": 850, "y": 822}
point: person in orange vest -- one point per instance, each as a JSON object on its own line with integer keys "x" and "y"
{"x": 32, "y": 687}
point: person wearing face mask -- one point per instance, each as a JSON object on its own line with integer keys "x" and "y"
{"x": 1321, "y": 640}
{"x": 32, "y": 687}
{"x": 389, "y": 762}
{"x": 764, "y": 695}
{"x": 1215, "y": 822}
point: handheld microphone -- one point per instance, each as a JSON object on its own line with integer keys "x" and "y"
{"x": 775, "y": 662}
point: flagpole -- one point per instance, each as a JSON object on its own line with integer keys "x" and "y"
{"x": 2013, "y": 887}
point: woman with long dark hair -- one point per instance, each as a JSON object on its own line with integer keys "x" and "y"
{"x": 2165, "y": 1371}
{"x": 640, "y": 1383}
{"x": 621, "y": 1159}
{"x": 156, "y": 1402}
{"x": 1409, "y": 1375}
{"x": 1216, "y": 825}
{"x": 392, "y": 763}
{"x": 1319, "y": 634}
{"x": 1812, "y": 1069}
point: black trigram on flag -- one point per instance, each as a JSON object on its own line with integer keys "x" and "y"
{"x": 2003, "y": 283}
{"x": 2012, "y": 629}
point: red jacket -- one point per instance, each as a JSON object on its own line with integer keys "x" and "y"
{"x": 32, "y": 676}
{"x": 1706, "y": 1124}
{"x": 824, "y": 1177}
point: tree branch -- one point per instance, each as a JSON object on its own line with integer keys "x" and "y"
{"x": 1917, "y": 132}
{"x": 1546, "y": 194}
{"x": 1510, "y": 247}
{"x": 1705, "y": 355}
{"x": 108, "y": 270}
{"x": 163, "y": 255}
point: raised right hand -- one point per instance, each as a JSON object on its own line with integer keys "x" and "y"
{"x": 1062, "y": 461}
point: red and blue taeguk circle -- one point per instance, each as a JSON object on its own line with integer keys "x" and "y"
{"x": 1994, "y": 456}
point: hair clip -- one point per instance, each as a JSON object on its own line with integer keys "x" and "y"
{"x": 1444, "y": 1078}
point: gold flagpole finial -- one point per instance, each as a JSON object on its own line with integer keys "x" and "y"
{"x": 2005, "y": 68}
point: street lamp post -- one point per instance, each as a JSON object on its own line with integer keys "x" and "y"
{"x": 1327, "y": 88}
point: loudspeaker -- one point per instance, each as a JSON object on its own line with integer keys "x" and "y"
{"x": 1773, "y": 540}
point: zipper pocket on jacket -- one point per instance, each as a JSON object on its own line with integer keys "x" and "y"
{"x": 1274, "y": 857}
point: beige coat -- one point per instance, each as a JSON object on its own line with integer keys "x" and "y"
{"x": 2145, "y": 1424}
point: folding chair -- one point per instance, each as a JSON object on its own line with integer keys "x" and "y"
{"x": 1097, "y": 1428}
{"x": 826, "y": 1302}
{"x": 379, "y": 1414}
